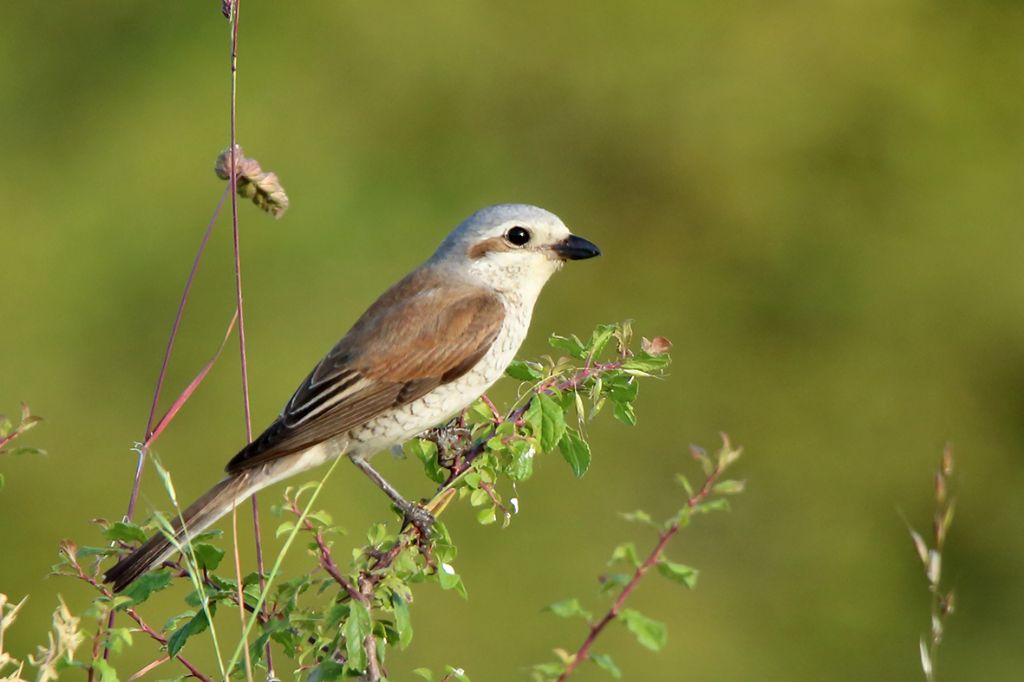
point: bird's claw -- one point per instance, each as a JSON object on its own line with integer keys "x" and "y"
{"x": 421, "y": 519}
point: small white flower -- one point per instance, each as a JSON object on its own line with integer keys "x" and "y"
{"x": 447, "y": 568}
{"x": 515, "y": 504}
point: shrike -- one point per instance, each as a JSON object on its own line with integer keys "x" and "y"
{"x": 427, "y": 348}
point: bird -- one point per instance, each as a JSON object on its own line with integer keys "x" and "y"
{"x": 423, "y": 351}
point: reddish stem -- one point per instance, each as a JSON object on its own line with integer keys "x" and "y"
{"x": 167, "y": 354}
{"x": 150, "y": 434}
{"x": 7, "y": 439}
{"x": 236, "y": 16}
{"x": 583, "y": 653}
{"x": 326, "y": 558}
{"x": 69, "y": 552}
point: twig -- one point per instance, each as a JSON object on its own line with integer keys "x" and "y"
{"x": 652, "y": 559}
{"x": 70, "y": 552}
{"x": 151, "y": 432}
{"x": 373, "y": 671}
{"x": 491, "y": 406}
{"x": 326, "y": 558}
{"x": 132, "y": 500}
{"x": 235, "y": 16}
{"x": 144, "y": 670}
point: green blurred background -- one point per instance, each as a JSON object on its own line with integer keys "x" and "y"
{"x": 819, "y": 203}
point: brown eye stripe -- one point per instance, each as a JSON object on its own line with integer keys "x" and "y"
{"x": 485, "y": 247}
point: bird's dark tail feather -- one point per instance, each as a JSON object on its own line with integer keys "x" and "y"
{"x": 217, "y": 502}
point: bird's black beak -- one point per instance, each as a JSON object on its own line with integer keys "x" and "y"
{"x": 576, "y": 248}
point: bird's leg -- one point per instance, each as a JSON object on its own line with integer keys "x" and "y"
{"x": 414, "y": 513}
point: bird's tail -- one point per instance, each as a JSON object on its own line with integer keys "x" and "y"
{"x": 217, "y": 502}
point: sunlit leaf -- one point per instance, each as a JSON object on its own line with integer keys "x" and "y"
{"x": 649, "y": 633}
{"x": 575, "y": 451}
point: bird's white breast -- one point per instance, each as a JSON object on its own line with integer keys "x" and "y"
{"x": 401, "y": 423}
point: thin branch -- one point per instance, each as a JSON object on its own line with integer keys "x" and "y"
{"x": 132, "y": 500}
{"x": 146, "y": 669}
{"x": 239, "y": 306}
{"x": 373, "y": 671}
{"x": 151, "y": 433}
{"x": 10, "y": 437}
{"x": 325, "y": 557}
{"x": 69, "y": 553}
{"x": 583, "y": 653}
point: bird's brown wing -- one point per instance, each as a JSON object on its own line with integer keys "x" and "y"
{"x": 417, "y": 336}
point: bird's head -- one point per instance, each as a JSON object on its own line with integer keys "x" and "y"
{"x": 513, "y": 247}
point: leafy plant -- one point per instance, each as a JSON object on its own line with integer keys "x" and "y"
{"x": 342, "y": 616}
{"x": 649, "y": 633}
{"x": 942, "y": 599}
{"x": 9, "y": 431}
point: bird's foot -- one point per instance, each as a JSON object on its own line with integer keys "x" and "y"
{"x": 419, "y": 518}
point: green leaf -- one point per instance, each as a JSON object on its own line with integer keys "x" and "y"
{"x": 547, "y": 420}
{"x": 145, "y": 585}
{"x": 208, "y": 534}
{"x": 450, "y": 580}
{"x": 568, "y": 608}
{"x": 680, "y": 573}
{"x": 426, "y": 452}
{"x": 649, "y": 633}
{"x": 327, "y": 670}
{"x": 478, "y": 412}
{"x": 118, "y": 639}
{"x": 27, "y": 450}
{"x": 173, "y": 621}
{"x": 402, "y": 621}
{"x": 624, "y": 413}
{"x": 645, "y": 362}
{"x": 611, "y": 581}
{"x": 458, "y": 673}
{"x": 640, "y": 516}
{"x": 605, "y": 662}
{"x": 521, "y": 467}
{"x": 86, "y": 551}
{"x": 575, "y": 451}
{"x": 571, "y": 345}
{"x": 625, "y": 552}
{"x": 424, "y": 673}
{"x": 716, "y": 504}
{"x": 487, "y": 516}
{"x": 356, "y": 629}
{"x": 376, "y": 534}
{"x": 701, "y": 456}
{"x": 322, "y": 518}
{"x": 547, "y": 671}
{"x": 729, "y": 487}
{"x": 524, "y": 371}
{"x": 727, "y": 455}
{"x": 623, "y": 388}
{"x": 195, "y": 626}
{"x": 129, "y": 532}
{"x": 600, "y": 338}
{"x": 207, "y": 556}
{"x": 105, "y": 670}
{"x": 165, "y": 478}
{"x": 685, "y": 482}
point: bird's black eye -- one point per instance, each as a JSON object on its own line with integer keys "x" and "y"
{"x": 518, "y": 236}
